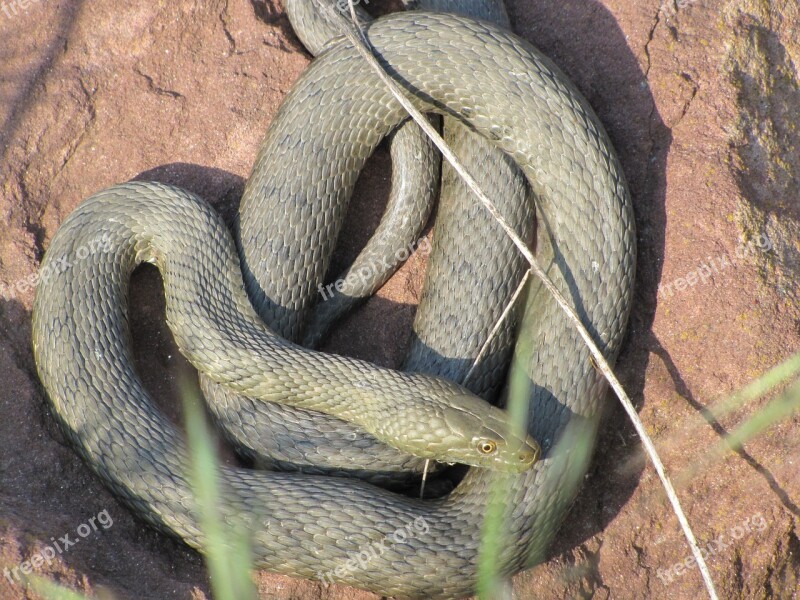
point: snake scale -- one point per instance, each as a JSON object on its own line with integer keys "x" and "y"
{"x": 304, "y": 524}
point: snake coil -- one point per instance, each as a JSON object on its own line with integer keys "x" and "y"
{"x": 305, "y": 524}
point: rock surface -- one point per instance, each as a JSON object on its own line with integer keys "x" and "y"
{"x": 701, "y": 98}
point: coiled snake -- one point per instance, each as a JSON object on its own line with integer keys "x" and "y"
{"x": 306, "y": 524}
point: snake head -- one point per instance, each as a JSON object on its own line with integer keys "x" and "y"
{"x": 481, "y": 435}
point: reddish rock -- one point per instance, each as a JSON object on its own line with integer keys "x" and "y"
{"x": 701, "y": 99}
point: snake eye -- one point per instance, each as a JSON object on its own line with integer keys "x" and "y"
{"x": 486, "y": 446}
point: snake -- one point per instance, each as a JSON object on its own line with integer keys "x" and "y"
{"x": 306, "y": 524}
{"x": 279, "y": 436}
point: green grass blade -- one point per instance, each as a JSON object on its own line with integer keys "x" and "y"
{"x": 227, "y": 550}
{"x": 760, "y": 387}
{"x": 779, "y": 409}
{"x": 50, "y": 590}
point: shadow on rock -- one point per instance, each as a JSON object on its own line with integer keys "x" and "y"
{"x": 585, "y": 40}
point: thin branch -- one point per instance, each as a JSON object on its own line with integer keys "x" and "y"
{"x": 424, "y": 478}
{"x": 496, "y": 328}
{"x": 359, "y": 40}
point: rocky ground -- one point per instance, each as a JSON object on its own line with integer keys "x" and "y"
{"x": 701, "y": 98}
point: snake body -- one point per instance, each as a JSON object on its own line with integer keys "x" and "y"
{"x": 304, "y": 525}
{"x": 467, "y": 237}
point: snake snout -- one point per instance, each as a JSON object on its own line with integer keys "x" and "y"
{"x": 529, "y": 457}
{"x": 513, "y": 454}
{"x": 487, "y": 437}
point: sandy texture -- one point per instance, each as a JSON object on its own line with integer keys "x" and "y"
{"x": 701, "y": 98}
